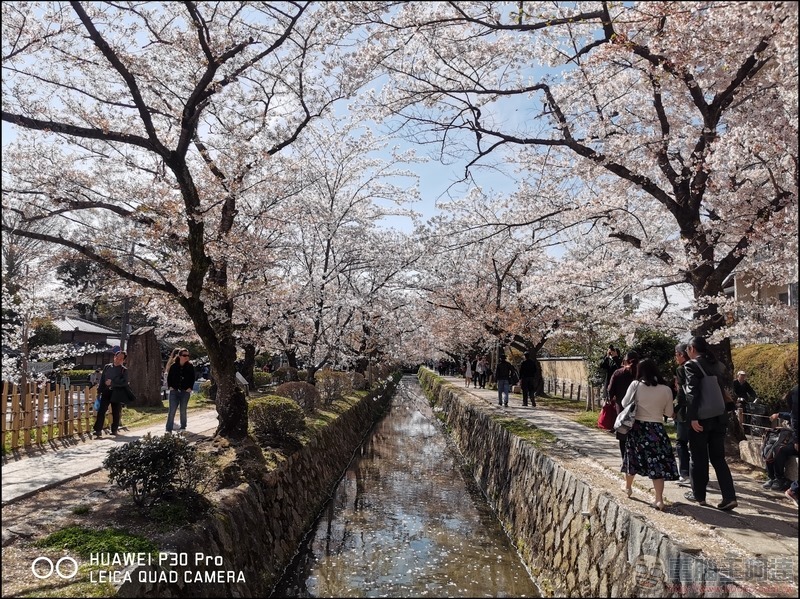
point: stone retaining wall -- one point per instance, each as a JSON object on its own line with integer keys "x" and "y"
{"x": 257, "y": 527}
{"x": 576, "y": 540}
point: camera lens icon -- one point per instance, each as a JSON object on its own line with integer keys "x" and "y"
{"x": 43, "y": 567}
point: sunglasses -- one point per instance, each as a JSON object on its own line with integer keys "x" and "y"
{"x": 184, "y": 355}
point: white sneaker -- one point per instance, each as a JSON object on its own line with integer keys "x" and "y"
{"x": 683, "y": 481}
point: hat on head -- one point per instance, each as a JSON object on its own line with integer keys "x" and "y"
{"x": 116, "y": 349}
{"x": 741, "y": 372}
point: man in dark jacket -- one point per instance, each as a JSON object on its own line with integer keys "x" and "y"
{"x": 527, "y": 380}
{"x": 112, "y": 390}
{"x": 608, "y": 366}
{"x": 180, "y": 380}
{"x": 709, "y": 423}
{"x": 502, "y": 375}
{"x": 681, "y": 424}
{"x": 742, "y": 388}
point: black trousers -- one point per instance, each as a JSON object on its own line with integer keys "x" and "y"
{"x": 116, "y": 415}
{"x": 708, "y": 447}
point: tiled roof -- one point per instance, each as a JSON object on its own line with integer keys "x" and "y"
{"x": 72, "y": 324}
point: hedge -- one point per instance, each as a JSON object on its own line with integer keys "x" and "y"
{"x": 771, "y": 369}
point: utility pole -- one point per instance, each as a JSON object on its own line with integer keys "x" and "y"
{"x": 126, "y": 307}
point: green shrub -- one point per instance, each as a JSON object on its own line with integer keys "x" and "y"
{"x": 302, "y": 375}
{"x": 153, "y": 467}
{"x": 275, "y": 419}
{"x": 77, "y": 374}
{"x": 262, "y": 360}
{"x": 204, "y": 389}
{"x": 261, "y": 379}
{"x": 657, "y": 346}
{"x": 771, "y": 370}
{"x": 284, "y": 374}
{"x": 332, "y": 384}
{"x": 304, "y": 394}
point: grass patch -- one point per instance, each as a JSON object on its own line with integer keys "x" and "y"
{"x": 573, "y": 411}
{"x": 85, "y": 541}
{"x": 519, "y": 427}
{"x": 81, "y": 510}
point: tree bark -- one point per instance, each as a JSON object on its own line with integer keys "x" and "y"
{"x": 249, "y": 364}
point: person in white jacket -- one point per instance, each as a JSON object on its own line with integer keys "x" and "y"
{"x": 648, "y": 450}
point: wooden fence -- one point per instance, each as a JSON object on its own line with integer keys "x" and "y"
{"x": 569, "y": 378}
{"x": 40, "y": 413}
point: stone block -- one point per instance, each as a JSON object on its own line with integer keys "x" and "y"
{"x": 750, "y": 452}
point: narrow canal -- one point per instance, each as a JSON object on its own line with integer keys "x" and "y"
{"x": 407, "y": 520}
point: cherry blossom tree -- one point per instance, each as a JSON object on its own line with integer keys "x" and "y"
{"x": 679, "y": 120}
{"x": 340, "y": 262}
{"x": 165, "y": 125}
{"x": 478, "y": 268}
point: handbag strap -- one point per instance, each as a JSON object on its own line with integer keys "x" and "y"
{"x": 635, "y": 391}
{"x": 700, "y": 367}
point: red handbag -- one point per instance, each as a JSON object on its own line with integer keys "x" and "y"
{"x": 608, "y": 414}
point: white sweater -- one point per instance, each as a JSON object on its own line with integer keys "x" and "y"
{"x": 652, "y": 403}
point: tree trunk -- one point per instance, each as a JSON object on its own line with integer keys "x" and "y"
{"x": 291, "y": 356}
{"x": 249, "y": 364}
{"x": 231, "y": 403}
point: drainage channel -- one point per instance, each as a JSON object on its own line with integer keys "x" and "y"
{"x": 407, "y": 520}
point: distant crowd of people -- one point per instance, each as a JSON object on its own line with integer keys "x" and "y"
{"x": 477, "y": 372}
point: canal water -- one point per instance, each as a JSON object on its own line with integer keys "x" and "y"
{"x": 407, "y": 520}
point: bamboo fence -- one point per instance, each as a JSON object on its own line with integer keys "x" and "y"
{"x": 40, "y": 413}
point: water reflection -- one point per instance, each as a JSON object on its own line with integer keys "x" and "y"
{"x": 405, "y": 521}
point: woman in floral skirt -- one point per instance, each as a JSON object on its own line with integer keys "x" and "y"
{"x": 648, "y": 450}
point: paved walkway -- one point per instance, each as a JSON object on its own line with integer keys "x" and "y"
{"x": 28, "y": 472}
{"x": 764, "y": 524}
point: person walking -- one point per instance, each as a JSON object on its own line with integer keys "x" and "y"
{"x": 180, "y": 380}
{"x": 610, "y": 363}
{"x": 502, "y": 375}
{"x": 487, "y": 370}
{"x": 467, "y": 372}
{"x": 527, "y": 380}
{"x": 618, "y": 386}
{"x": 705, "y": 411}
{"x": 480, "y": 369}
{"x": 173, "y": 357}
{"x": 681, "y": 424}
{"x": 648, "y": 451}
{"x": 113, "y": 379}
{"x": 94, "y": 378}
